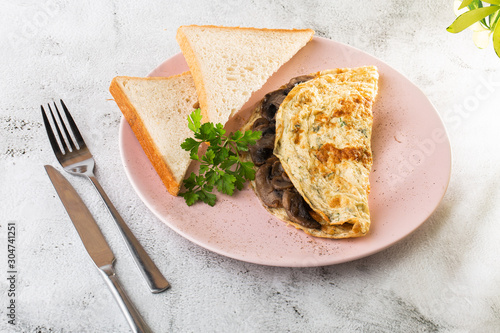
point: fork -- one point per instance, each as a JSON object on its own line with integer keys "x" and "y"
{"x": 77, "y": 160}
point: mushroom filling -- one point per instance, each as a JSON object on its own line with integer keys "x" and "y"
{"x": 272, "y": 184}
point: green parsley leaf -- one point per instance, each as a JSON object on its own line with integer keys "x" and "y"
{"x": 226, "y": 164}
{"x": 190, "y": 197}
{"x": 239, "y": 182}
{"x": 247, "y": 170}
{"x": 190, "y": 182}
{"x": 219, "y": 128}
{"x": 194, "y": 155}
{"x": 220, "y": 166}
{"x": 209, "y": 156}
{"x": 211, "y": 177}
{"x": 225, "y": 184}
{"x": 250, "y": 137}
{"x": 194, "y": 120}
{"x": 236, "y": 136}
{"x": 208, "y": 198}
{"x": 189, "y": 144}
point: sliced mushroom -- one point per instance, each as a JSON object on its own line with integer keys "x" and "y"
{"x": 271, "y": 160}
{"x": 279, "y": 183}
{"x": 262, "y": 149}
{"x": 260, "y": 154}
{"x": 271, "y": 103}
{"x": 263, "y": 125}
{"x": 297, "y": 209}
{"x": 265, "y": 190}
{"x": 272, "y": 184}
{"x": 260, "y": 122}
{"x": 277, "y": 168}
{"x": 299, "y": 79}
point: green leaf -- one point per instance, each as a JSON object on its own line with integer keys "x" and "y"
{"x": 236, "y": 136}
{"x": 465, "y": 3}
{"x": 475, "y": 5}
{"x": 209, "y": 156}
{"x": 208, "y": 198}
{"x": 239, "y": 182}
{"x": 493, "y": 20}
{"x": 194, "y": 155}
{"x": 200, "y": 181}
{"x": 479, "y": 4}
{"x": 221, "y": 154}
{"x": 219, "y": 128}
{"x": 211, "y": 177}
{"x": 225, "y": 184}
{"x": 253, "y": 135}
{"x": 218, "y": 162}
{"x": 194, "y": 120}
{"x": 493, "y": 2}
{"x": 190, "y": 182}
{"x": 247, "y": 170}
{"x": 467, "y": 19}
{"x": 241, "y": 147}
{"x": 208, "y": 188}
{"x": 496, "y": 39}
{"x": 190, "y": 197}
{"x": 203, "y": 169}
{"x": 250, "y": 137}
{"x": 206, "y": 132}
{"x": 190, "y": 144}
{"x": 227, "y": 163}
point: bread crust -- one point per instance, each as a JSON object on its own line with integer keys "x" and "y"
{"x": 194, "y": 64}
{"x": 245, "y": 28}
{"x": 142, "y": 134}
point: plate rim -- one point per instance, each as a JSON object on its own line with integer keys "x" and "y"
{"x": 334, "y": 260}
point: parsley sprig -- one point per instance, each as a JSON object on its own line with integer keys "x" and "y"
{"x": 221, "y": 166}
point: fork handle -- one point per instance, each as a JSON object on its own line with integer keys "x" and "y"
{"x": 155, "y": 279}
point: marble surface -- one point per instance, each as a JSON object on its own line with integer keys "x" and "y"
{"x": 444, "y": 277}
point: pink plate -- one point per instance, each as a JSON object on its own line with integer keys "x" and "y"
{"x": 411, "y": 171}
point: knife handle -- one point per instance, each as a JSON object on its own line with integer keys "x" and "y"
{"x": 134, "y": 319}
{"x": 155, "y": 279}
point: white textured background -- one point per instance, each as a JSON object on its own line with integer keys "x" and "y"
{"x": 445, "y": 277}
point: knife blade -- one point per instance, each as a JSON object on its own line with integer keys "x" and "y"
{"x": 82, "y": 219}
{"x": 96, "y": 245}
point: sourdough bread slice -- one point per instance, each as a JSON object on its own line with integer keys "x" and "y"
{"x": 228, "y": 64}
{"x": 156, "y": 109}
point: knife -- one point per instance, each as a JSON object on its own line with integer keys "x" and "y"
{"x": 96, "y": 246}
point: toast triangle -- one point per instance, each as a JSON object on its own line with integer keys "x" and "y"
{"x": 228, "y": 64}
{"x": 157, "y": 109}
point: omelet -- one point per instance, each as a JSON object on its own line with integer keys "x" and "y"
{"x": 316, "y": 176}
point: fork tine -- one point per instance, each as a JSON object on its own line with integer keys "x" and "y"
{"x": 74, "y": 128}
{"x": 50, "y": 134}
{"x": 70, "y": 140}
{"x": 61, "y": 137}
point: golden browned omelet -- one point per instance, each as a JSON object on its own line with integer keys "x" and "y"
{"x": 318, "y": 178}
{"x": 323, "y": 134}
